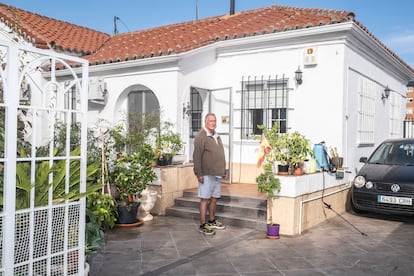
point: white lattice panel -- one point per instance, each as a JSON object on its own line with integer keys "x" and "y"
{"x": 41, "y": 233}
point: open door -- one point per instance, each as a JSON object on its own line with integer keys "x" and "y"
{"x": 219, "y": 102}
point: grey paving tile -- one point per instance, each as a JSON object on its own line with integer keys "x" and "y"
{"x": 214, "y": 268}
{"x": 160, "y": 254}
{"x": 292, "y": 263}
{"x": 182, "y": 270}
{"x": 249, "y": 265}
{"x": 302, "y": 272}
{"x": 380, "y": 270}
{"x": 329, "y": 261}
{"x": 173, "y": 246}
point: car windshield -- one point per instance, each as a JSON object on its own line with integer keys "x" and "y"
{"x": 393, "y": 153}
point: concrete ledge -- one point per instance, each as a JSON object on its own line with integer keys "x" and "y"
{"x": 303, "y": 201}
{"x": 171, "y": 182}
{"x": 297, "y": 208}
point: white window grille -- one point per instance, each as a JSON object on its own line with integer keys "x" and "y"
{"x": 367, "y": 91}
{"x": 264, "y": 101}
{"x": 395, "y": 118}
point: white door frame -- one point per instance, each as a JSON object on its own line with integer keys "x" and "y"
{"x": 221, "y": 105}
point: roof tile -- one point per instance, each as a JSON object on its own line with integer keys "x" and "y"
{"x": 45, "y": 32}
{"x": 182, "y": 37}
{"x": 101, "y": 48}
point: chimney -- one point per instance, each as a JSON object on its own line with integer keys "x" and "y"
{"x": 232, "y": 7}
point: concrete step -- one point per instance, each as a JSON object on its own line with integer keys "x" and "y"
{"x": 231, "y": 210}
{"x": 236, "y": 209}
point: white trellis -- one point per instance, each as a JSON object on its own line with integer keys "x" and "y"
{"x": 41, "y": 235}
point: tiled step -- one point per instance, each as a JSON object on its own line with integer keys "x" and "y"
{"x": 231, "y": 210}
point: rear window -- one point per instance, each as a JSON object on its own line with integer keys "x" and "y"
{"x": 393, "y": 153}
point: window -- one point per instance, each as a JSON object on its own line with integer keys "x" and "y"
{"x": 196, "y": 112}
{"x": 143, "y": 114}
{"x": 367, "y": 90}
{"x": 143, "y": 101}
{"x": 395, "y": 118}
{"x": 263, "y": 102}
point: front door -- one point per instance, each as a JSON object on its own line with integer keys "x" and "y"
{"x": 217, "y": 101}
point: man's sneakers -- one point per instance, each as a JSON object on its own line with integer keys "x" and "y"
{"x": 215, "y": 224}
{"x": 206, "y": 229}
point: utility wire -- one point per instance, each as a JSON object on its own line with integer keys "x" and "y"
{"x": 116, "y": 18}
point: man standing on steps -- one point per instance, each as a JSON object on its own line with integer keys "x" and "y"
{"x": 209, "y": 168}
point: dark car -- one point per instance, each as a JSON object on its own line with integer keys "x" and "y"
{"x": 385, "y": 183}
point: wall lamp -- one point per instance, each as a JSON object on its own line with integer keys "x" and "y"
{"x": 410, "y": 86}
{"x": 186, "y": 109}
{"x": 386, "y": 93}
{"x": 298, "y": 76}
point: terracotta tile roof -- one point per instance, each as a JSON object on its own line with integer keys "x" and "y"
{"x": 182, "y": 37}
{"x": 101, "y": 48}
{"x": 45, "y": 32}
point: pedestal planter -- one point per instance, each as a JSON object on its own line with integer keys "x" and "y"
{"x": 147, "y": 200}
{"x": 273, "y": 231}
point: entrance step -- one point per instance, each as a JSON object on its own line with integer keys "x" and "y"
{"x": 231, "y": 210}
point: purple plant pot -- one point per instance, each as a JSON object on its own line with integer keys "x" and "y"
{"x": 273, "y": 231}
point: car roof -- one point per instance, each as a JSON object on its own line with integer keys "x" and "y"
{"x": 396, "y": 140}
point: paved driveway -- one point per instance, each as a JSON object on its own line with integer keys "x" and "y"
{"x": 346, "y": 245}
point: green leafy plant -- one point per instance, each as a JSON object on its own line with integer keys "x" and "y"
{"x": 269, "y": 184}
{"x": 101, "y": 213}
{"x": 142, "y": 127}
{"x": 133, "y": 172}
{"x": 168, "y": 143}
{"x": 44, "y": 169}
{"x": 290, "y": 149}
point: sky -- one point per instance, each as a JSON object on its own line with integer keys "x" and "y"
{"x": 392, "y": 22}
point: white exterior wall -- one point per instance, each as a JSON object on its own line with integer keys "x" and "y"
{"x": 163, "y": 82}
{"x": 323, "y": 108}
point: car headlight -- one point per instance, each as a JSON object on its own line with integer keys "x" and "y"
{"x": 369, "y": 185}
{"x": 359, "y": 181}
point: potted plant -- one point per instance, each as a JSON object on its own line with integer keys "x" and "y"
{"x": 299, "y": 151}
{"x": 289, "y": 150}
{"x": 132, "y": 173}
{"x": 270, "y": 185}
{"x": 168, "y": 143}
{"x": 279, "y": 143}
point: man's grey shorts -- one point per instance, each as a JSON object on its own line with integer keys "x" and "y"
{"x": 210, "y": 188}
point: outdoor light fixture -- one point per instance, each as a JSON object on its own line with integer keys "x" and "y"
{"x": 410, "y": 86}
{"x": 386, "y": 93}
{"x": 298, "y": 76}
{"x": 186, "y": 109}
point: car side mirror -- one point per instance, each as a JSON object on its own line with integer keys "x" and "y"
{"x": 363, "y": 160}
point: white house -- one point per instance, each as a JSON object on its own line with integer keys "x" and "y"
{"x": 242, "y": 67}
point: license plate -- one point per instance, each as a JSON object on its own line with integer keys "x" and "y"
{"x": 395, "y": 200}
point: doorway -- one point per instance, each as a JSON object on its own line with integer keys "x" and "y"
{"x": 217, "y": 101}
